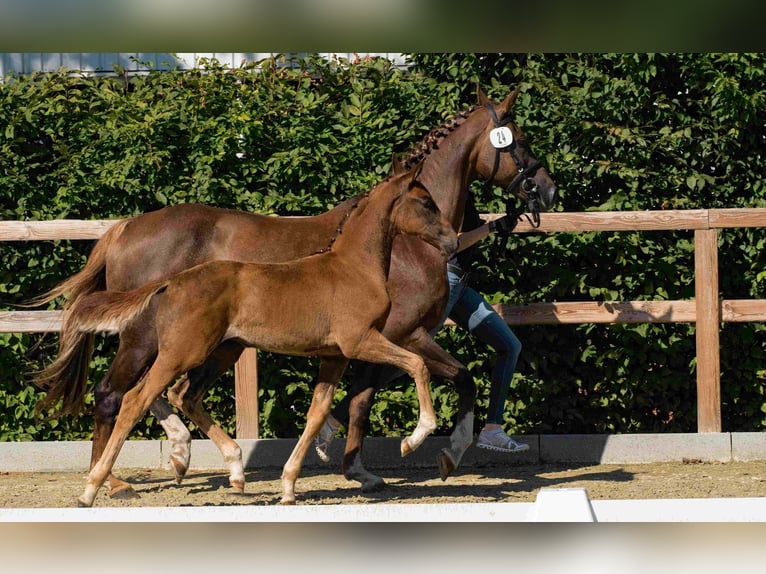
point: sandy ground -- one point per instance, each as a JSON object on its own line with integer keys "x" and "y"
{"x": 495, "y": 483}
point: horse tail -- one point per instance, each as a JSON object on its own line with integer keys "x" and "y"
{"x": 110, "y": 311}
{"x": 66, "y": 378}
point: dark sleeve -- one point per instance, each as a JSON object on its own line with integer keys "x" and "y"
{"x": 471, "y": 220}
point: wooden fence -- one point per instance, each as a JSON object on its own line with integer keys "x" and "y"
{"x": 707, "y": 310}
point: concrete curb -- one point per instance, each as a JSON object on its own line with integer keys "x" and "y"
{"x": 384, "y": 452}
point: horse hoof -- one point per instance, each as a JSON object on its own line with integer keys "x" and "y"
{"x": 123, "y": 492}
{"x": 287, "y": 502}
{"x": 446, "y": 464}
{"x": 374, "y": 485}
{"x": 238, "y": 486}
{"x": 179, "y": 468}
{"x": 406, "y": 448}
{"x": 82, "y": 503}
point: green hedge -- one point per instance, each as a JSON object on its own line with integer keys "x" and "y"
{"x": 621, "y": 131}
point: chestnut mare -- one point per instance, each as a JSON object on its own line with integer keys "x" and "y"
{"x": 155, "y": 245}
{"x": 332, "y": 305}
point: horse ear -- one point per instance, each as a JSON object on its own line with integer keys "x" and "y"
{"x": 414, "y": 175}
{"x": 397, "y": 167}
{"x": 509, "y": 100}
{"x": 483, "y": 99}
{"x": 416, "y": 172}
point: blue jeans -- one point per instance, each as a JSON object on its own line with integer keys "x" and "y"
{"x": 468, "y": 309}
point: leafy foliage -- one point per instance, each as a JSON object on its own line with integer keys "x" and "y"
{"x": 617, "y": 131}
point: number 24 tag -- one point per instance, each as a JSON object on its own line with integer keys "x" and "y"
{"x": 501, "y": 137}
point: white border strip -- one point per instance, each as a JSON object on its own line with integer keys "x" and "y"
{"x": 459, "y": 512}
{"x": 552, "y": 505}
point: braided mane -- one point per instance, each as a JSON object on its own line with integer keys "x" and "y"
{"x": 432, "y": 139}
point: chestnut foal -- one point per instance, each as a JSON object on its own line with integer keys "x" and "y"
{"x": 332, "y": 305}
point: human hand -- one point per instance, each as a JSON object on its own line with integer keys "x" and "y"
{"x": 502, "y": 224}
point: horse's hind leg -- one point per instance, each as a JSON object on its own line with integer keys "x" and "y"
{"x": 330, "y": 371}
{"x": 178, "y": 435}
{"x": 187, "y": 395}
{"x": 134, "y": 405}
{"x": 129, "y": 363}
{"x": 367, "y": 379}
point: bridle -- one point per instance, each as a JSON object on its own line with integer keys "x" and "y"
{"x": 523, "y": 176}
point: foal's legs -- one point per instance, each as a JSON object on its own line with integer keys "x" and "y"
{"x": 330, "y": 371}
{"x": 375, "y": 348}
{"x": 187, "y": 395}
{"x": 134, "y": 405}
{"x": 439, "y": 363}
{"x": 133, "y": 357}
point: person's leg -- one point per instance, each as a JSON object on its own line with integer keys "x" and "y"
{"x": 495, "y": 332}
{"x": 476, "y": 315}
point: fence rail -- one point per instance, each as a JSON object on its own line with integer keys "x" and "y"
{"x": 706, "y": 310}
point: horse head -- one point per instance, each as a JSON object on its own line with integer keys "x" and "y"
{"x": 416, "y": 213}
{"x": 508, "y": 160}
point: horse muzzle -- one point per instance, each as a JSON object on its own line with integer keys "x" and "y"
{"x": 446, "y": 242}
{"x": 540, "y": 191}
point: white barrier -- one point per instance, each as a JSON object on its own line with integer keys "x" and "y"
{"x": 551, "y": 505}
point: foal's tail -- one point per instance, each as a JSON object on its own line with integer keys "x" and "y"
{"x": 108, "y": 311}
{"x": 67, "y": 377}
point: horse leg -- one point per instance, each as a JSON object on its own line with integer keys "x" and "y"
{"x": 134, "y": 405}
{"x": 367, "y": 379}
{"x": 187, "y": 395}
{"x": 442, "y": 364}
{"x": 178, "y": 436}
{"x": 376, "y": 348}
{"x": 330, "y": 371}
{"x": 131, "y": 360}
{"x": 439, "y": 363}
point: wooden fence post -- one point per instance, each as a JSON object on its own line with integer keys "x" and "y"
{"x": 246, "y": 393}
{"x": 708, "y": 330}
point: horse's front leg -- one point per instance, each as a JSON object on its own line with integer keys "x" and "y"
{"x": 442, "y": 364}
{"x": 330, "y": 371}
{"x": 375, "y": 348}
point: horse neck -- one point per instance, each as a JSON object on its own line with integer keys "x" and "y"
{"x": 368, "y": 235}
{"x": 449, "y": 169}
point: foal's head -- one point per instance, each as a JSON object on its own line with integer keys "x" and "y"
{"x": 416, "y": 213}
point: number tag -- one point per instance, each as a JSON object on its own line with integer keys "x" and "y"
{"x": 501, "y": 137}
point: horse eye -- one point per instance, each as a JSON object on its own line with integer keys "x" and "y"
{"x": 430, "y": 205}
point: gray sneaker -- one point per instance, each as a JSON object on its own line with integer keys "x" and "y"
{"x": 324, "y": 439}
{"x": 498, "y": 441}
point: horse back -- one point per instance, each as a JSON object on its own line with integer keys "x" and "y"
{"x": 158, "y": 244}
